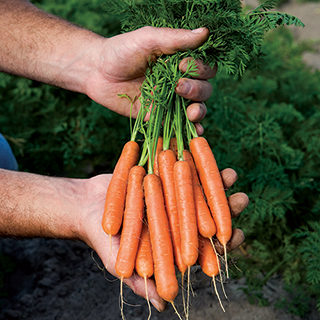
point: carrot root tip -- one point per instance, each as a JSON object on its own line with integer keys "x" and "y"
{"x": 147, "y": 297}
{"x": 217, "y": 294}
{"x": 225, "y": 258}
{"x": 175, "y": 310}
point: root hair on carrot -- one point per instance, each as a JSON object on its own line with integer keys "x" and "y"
{"x": 220, "y": 272}
{"x": 103, "y": 269}
{"x": 182, "y": 293}
{"x": 95, "y": 261}
{"x": 189, "y": 288}
{"x": 225, "y": 259}
{"x": 147, "y": 297}
{"x": 105, "y": 276}
{"x": 175, "y": 310}
{"x": 217, "y": 294}
{"x": 121, "y": 298}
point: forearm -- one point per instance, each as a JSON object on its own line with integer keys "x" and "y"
{"x": 38, "y": 206}
{"x": 42, "y": 47}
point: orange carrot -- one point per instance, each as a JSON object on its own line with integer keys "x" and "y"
{"x": 116, "y": 193}
{"x": 167, "y": 159}
{"x": 187, "y": 218}
{"x": 206, "y": 225}
{"x": 144, "y": 260}
{"x": 213, "y": 188}
{"x": 132, "y": 223}
{"x": 209, "y": 262}
{"x": 186, "y": 211}
{"x": 158, "y": 150}
{"x": 162, "y": 251}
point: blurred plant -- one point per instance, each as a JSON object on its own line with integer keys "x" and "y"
{"x": 266, "y": 126}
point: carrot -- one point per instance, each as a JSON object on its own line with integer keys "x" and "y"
{"x": 132, "y": 223}
{"x": 167, "y": 159}
{"x": 187, "y": 217}
{"x": 213, "y": 188}
{"x": 209, "y": 262}
{"x": 158, "y": 150}
{"x": 206, "y": 225}
{"x": 162, "y": 251}
{"x": 116, "y": 193}
{"x": 144, "y": 261}
{"x": 186, "y": 211}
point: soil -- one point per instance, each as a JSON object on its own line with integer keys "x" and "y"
{"x": 60, "y": 280}
{"x": 56, "y": 279}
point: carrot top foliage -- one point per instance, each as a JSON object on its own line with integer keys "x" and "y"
{"x": 234, "y": 39}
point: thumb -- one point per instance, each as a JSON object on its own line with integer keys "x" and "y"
{"x": 160, "y": 41}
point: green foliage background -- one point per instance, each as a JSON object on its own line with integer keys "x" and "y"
{"x": 265, "y": 125}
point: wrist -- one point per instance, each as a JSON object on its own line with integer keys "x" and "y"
{"x": 74, "y": 68}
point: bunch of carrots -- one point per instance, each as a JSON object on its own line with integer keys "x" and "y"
{"x": 166, "y": 196}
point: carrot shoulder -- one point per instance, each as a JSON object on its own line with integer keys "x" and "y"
{"x": 132, "y": 223}
{"x": 213, "y": 187}
{"x": 162, "y": 251}
{"x": 116, "y": 193}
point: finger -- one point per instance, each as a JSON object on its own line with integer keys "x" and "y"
{"x": 137, "y": 284}
{"x": 199, "y": 128}
{"x": 195, "y": 90}
{"x": 237, "y": 203}
{"x": 235, "y": 241}
{"x": 196, "y": 111}
{"x": 229, "y": 177}
{"x": 203, "y": 70}
{"x": 169, "y": 40}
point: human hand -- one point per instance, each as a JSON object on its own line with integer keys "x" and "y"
{"x": 93, "y": 234}
{"x": 123, "y": 59}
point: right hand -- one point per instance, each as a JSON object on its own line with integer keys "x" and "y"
{"x": 119, "y": 64}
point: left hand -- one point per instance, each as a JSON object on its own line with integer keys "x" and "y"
{"x": 92, "y": 233}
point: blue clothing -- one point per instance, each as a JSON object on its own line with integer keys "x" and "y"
{"x": 7, "y": 159}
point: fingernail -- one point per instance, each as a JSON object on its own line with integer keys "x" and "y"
{"x": 184, "y": 88}
{"x": 156, "y": 304}
{"x": 199, "y": 30}
{"x": 183, "y": 68}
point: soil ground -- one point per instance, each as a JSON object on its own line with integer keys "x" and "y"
{"x": 56, "y": 279}
{"x": 59, "y": 280}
